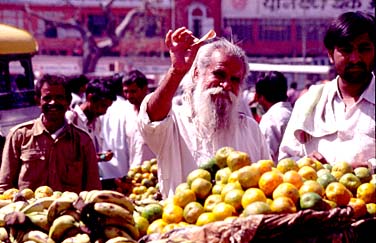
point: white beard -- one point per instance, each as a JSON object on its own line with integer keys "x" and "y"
{"x": 215, "y": 119}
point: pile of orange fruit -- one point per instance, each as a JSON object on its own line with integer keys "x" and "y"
{"x": 231, "y": 186}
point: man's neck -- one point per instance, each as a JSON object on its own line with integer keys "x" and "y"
{"x": 351, "y": 92}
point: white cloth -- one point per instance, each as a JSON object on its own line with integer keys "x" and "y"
{"x": 139, "y": 151}
{"x": 180, "y": 149}
{"x": 273, "y": 125}
{"x": 77, "y": 117}
{"x": 319, "y": 122}
{"x": 115, "y": 139}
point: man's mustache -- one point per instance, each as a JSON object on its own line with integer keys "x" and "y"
{"x": 51, "y": 107}
{"x": 356, "y": 65}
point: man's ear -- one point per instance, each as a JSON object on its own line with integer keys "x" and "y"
{"x": 195, "y": 74}
{"x": 330, "y": 56}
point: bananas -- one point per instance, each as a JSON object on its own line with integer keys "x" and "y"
{"x": 39, "y": 219}
{"x": 10, "y": 208}
{"x": 79, "y": 238}
{"x": 38, "y": 205}
{"x": 126, "y": 226}
{"x": 120, "y": 239}
{"x": 112, "y": 231}
{"x": 109, "y": 196}
{"x": 3, "y": 234}
{"x": 64, "y": 225}
{"x": 59, "y": 206}
{"x": 113, "y": 210}
{"x": 36, "y": 236}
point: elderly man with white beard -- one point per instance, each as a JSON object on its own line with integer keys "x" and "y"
{"x": 185, "y": 136}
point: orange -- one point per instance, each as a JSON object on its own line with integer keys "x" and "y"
{"x": 283, "y": 205}
{"x": 311, "y": 186}
{"x": 252, "y": 195}
{"x": 325, "y": 179}
{"x": 229, "y": 187}
{"x": 286, "y": 189}
{"x": 9, "y": 193}
{"x": 156, "y": 227}
{"x": 237, "y": 159}
{"x": 307, "y": 173}
{"x": 234, "y": 198}
{"x": 152, "y": 211}
{"x": 256, "y": 208}
{"x": 264, "y": 165}
{"x": 181, "y": 186}
{"x": 359, "y": 207}
{"x": 371, "y": 209}
{"x": 205, "y": 218}
{"x": 183, "y": 197}
{"x": 170, "y": 227}
{"x": 27, "y": 193}
{"x": 141, "y": 224}
{"x": 322, "y": 172}
{"x": 340, "y": 168}
{"x": 198, "y": 173}
{"x": 363, "y": 173}
{"x": 373, "y": 180}
{"x": 192, "y": 211}
{"x": 338, "y": 193}
{"x": 222, "y": 175}
{"x": 367, "y": 192}
{"x": 306, "y": 161}
{"x": 211, "y": 201}
{"x": 294, "y": 178}
{"x": 269, "y": 181}
{"x": 223, "y": 210}
{"x": 172, "y": 214}
{"x": 234, "y": 177}
{"x": 311, "y": 200}
{"x": 248, "y": 176}
{"x": 217, "y": 188}
{"x": 351, "y": 181}
{"x": 201, "y": 187}
{"x": 287, "y": 164}
{"x": 43, "y": 191}
{"x": 221, "y": 156}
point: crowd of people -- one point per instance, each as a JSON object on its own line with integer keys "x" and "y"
{"x": 114, "y": 123}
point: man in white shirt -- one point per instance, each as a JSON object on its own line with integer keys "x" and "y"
{"x": 336, "y": 121}
{"x": 114, "y": 137}
{"x": 187, "y": 135}
{"x": 135, "y": 88}
{"x": 271, "y": 94}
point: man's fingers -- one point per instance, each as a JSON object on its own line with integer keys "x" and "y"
{"x": 168, "y": 40}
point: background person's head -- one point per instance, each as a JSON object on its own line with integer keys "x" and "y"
{"x": 350, "y": 40}
{"x": 78, "y": 83}
{"x": 99, "y": 96}
{"x": 53, "y": 96}
{"x": 270, "y": 89}
{"x": 135, "y": 87}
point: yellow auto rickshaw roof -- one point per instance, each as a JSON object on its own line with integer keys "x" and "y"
{"x": 16, "y": 41}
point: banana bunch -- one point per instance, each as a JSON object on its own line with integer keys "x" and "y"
{"x": 109, "y": 214}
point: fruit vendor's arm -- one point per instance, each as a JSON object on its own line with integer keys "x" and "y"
{"x": 183, "y": 49}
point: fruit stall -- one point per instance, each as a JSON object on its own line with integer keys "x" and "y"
{"x": 227, "y": 199}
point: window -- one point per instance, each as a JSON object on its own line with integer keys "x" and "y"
{"x": 275, "y": 30}
{"x": 238, "y": 29}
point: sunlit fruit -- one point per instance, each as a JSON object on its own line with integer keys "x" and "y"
{"x": 371, "y": 209}
{"x": 252, "y": 195}
{"x": 311, "y": 200}
{"x": 287, "y": 164}
{"x": 205, "y": 218}
{"x": 286, "y": 189}
{"x": 234, "y": 198}
{"x": 311, "y": 186}
{"x": 222, "y": 175}
{"x": 211, "y": 201}
{"x": 172, "y": 214}
{"x": 198, "y": 173}
{"x": 201, "y": 187}
{"x": 141, "y": 224}
{"x": 248, "y": 176}
{"x": 43, "y": 191}
{"x": 294, "y": 178}
{"x": 256, "y": 208}
{"x": 325, "y": 179}
{"x": 351, "y": 181}
{"x": 307, "y": 161}
{"x": 221, "y": 156}
{"x": 27, "y": 193}
{"x": 152, "y": 211}
{"x": 9, "y": 193}
{"x": 229, "y": 187}
{"x": 307, "y": 173}
{"x": 269, "y": 181}
{"x": 363, "y": 173}
{"x": 183, "y": 197}
{"x": 264, "y": 165}
{"x": 223, "y": 210}
{"x": 192, "y": 211}
{"x": 237, "y": 160}
{"x": 367, "y": 192}
{"x": 358, "y": 206}
{"x": 156, "y": 226}
{"x": 338, "y": 193}
{"x": 283, "y": 205}
{"x": 217, "y": 188}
